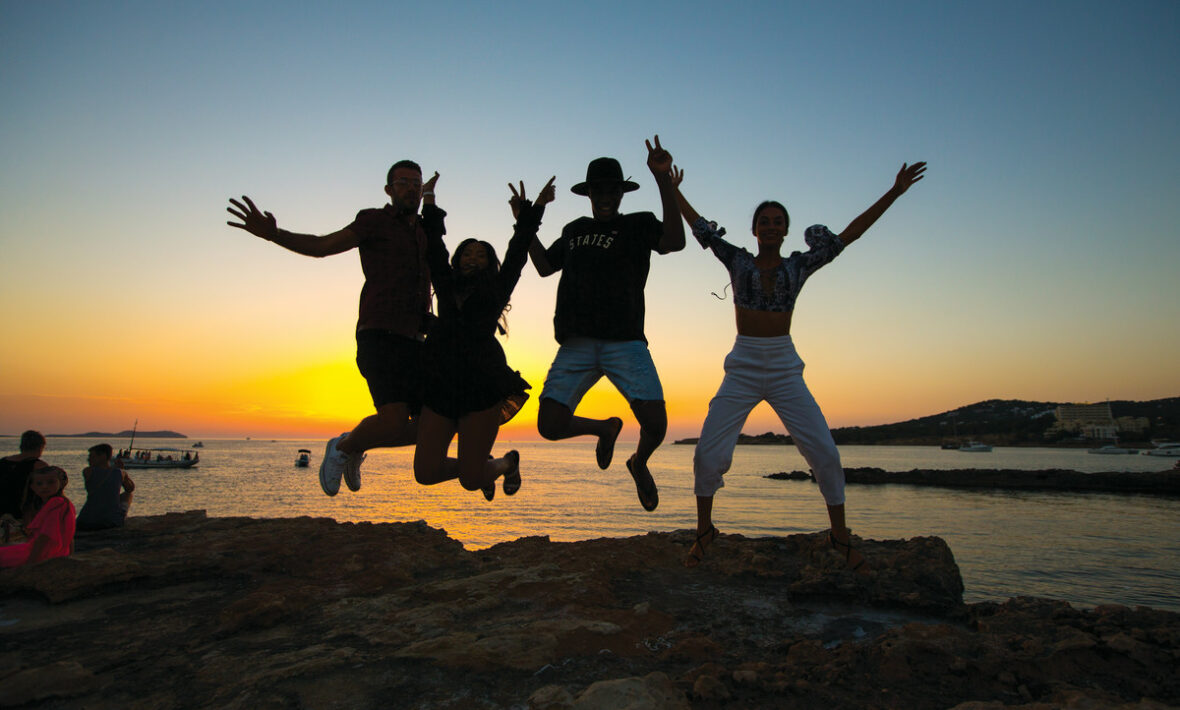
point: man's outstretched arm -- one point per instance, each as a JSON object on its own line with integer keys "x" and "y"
{"x": 262, "y": 224}
{"x": 659, "y": 161}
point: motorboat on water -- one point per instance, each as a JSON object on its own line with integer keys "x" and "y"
{"x": 157, "y": 458}
{"x": 199, "y": 445}
{"x": 1112, "y": 449}
{"x": 1163, "y": 448}
{"x": 303, "y": 459}
{"x": 975, "y": 446}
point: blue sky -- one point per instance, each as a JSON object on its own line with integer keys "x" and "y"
{"x": 1036, "y": 260}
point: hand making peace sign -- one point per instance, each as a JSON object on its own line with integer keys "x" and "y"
{"x": 544, "y": 197}
{"x": 658, "y": 159}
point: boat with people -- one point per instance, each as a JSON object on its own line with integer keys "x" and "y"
{"x": 199, "y": 445}
{"x": 1112, "y": 449}
{"x": 975, "y": 446}
{"x": 159, "y": 457}
{"x": 1163, "y": 448}
{"x": 303, "y": 458}
{"x": 156, "y": 458}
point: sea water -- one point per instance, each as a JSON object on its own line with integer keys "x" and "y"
{"x": 1085, "y": 548}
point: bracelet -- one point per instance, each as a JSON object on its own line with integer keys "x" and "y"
{"x": 428, "y": 194}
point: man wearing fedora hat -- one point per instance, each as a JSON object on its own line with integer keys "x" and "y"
{"x": 604, "y": 261}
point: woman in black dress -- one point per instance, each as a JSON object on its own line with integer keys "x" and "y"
{"x": 469, "y": 389}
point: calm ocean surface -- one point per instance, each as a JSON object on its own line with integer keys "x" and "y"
{"x": 1087, "y": 549}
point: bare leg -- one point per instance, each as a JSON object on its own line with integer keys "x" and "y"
{"x": 843, "y": 543}
{"x": 706, "y": 533}
{"x": 477, "y": 434}
{"x": 431, "y": 464}
{"x": 555, "y": 421}
{"x": 653, "y": 425}
{"x": 390, "y": 426}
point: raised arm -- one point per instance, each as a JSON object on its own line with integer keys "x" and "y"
{"x": 437, "y": 256}
{"x": 262, "y": 224}
{"x": 659, "y": 161}
{"x": 690, "y": 215}
{"x": 536, "y": 249}
{"x": 907, "y": 176}
{"x": 524, "y": 236}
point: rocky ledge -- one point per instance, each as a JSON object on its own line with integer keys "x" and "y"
{"x": 1165, "y": 483}
{"x": 183, "y": 611}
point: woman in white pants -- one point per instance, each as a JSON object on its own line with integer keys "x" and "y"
{"x": 763, "y": 365}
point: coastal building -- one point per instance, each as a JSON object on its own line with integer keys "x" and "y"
{"x": 1093, "y": 421}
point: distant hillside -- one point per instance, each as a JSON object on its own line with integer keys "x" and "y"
{"x": 1001, "y": 422}
{"x": 126, "y": 434}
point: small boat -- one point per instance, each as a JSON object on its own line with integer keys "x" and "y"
{"x": 975, "y": 446}
{"x": 303, "y": 460}
{"x": 199, "y": 445}
{"x": 157, "y": 458}
{"x": 1112, "y": 449}
{"x": 1163, "y": 448}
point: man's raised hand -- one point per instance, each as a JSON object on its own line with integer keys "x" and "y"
{"x": 659, "y": 161}
{"x": 428, "y": 189}
{"x": 547, "y": 193}
{"x": 256, "y": 222}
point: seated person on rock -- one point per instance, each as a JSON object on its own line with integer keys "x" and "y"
{"x": 108, "y": 492}
{"x": 15, "y": 471}
{"x": 50, "y": 532}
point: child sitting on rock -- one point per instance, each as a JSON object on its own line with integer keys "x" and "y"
{"x": 50, "y": 533}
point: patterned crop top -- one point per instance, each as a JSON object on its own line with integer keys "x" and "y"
{"x": 789, "y": 275}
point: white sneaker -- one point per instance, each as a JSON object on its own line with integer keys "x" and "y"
{"x": 352, "y": 470}
{"x": 332, "y": 466}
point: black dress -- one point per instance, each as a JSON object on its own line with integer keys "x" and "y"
{"x": 464, "y": 365}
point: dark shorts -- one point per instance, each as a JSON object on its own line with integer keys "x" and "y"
{"x": 391, "y": 364}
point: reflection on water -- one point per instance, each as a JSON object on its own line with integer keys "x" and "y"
{"x": 1084, "y": 548}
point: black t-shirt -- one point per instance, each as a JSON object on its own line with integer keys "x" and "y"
{"x": 604, "y": 269}
{"x": 14, "y": 477}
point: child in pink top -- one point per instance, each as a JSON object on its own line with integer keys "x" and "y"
{"x": 51, "y": 531}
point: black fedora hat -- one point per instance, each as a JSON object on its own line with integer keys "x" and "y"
{"x": 606, "y": 170}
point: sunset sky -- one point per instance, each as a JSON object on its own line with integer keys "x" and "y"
{"x": 1037, "y": 260}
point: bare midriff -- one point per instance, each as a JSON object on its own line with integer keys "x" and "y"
{"x": 762, "y": 324}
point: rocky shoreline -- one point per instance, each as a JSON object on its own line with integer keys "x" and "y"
{"x": 1164, "y": 483}
{"x": 185, "y": 611}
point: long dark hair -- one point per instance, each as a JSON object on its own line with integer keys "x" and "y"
{"x": 493, "y": 269}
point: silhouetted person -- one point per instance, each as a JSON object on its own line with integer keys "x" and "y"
{"x": 763, "y": 365}
{"x": 16, "y": 469}
{"x": 470, "y": 390}
{"x": 598, "y": 320}
{"x": 394, "y": 305}
{"x": 108, "y": 492}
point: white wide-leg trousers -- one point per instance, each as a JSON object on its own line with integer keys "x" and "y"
{"x": 769, "y": 369}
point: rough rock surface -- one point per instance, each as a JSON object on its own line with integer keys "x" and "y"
{"x": 181, "y": 611}
{"x": 1165, "y": 483}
